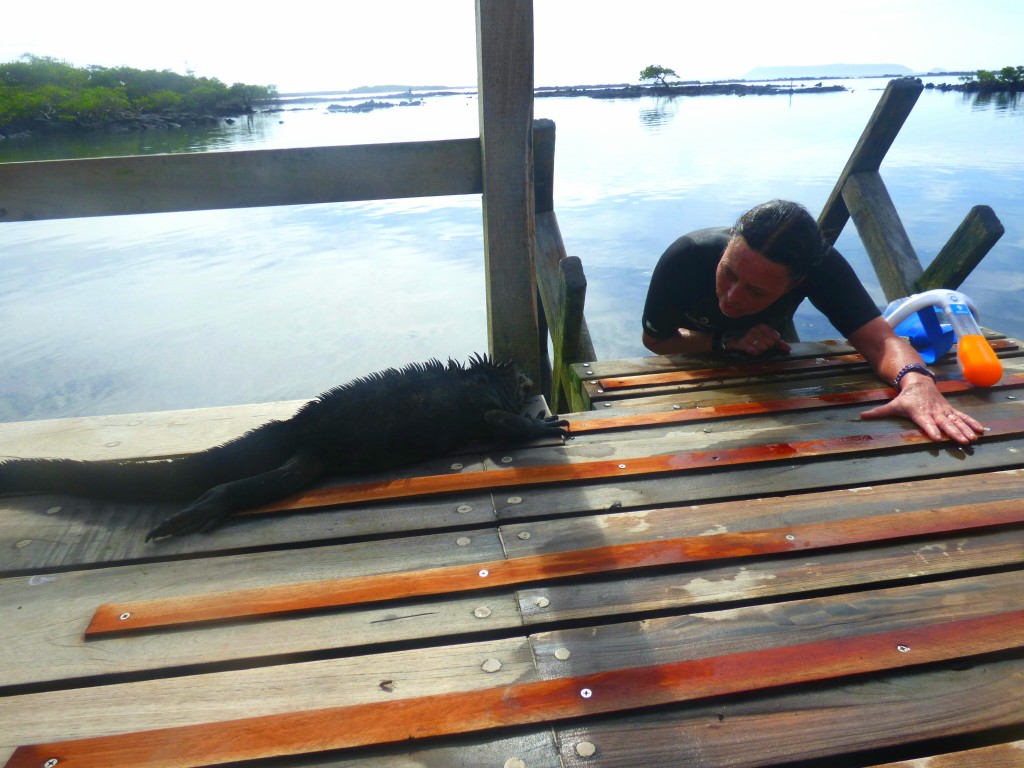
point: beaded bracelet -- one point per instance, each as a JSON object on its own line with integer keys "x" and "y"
{"x": 911, "y": 368}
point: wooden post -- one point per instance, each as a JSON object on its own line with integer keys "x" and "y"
{"x": 893, "y": 108}
{"x": 964, "y": 251}
{"x": 505, "y": 88}
{"x": 568, "y": 325}
{"x": 882, "y": 233}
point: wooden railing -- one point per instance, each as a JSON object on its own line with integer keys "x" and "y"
{"x": 521, "y": 237}
{"x": 860, "y": 194}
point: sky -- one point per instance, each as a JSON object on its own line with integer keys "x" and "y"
{"x": 302, "y": 45}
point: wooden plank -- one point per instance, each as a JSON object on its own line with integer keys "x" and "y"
{"x": 883, "y": 126}
{"x": 542, "y": 701}
{"x": 47, "y": 533}
{"x": 763, "y": 579}
{"x": 975, "y": 236}
{"x": 121, "y": 617}
{"x": 192, "y": 699}
{"x": 505, "y": 89}
{"x": 827, "y": 725}
{"x": 636, "y": 466}
{"x": 155, "y": 435}
{"x": 745, "y": 369}
{"x": 48, "y": 613}
{"x": 722, "y": 630}
{"x": 880, "y": 229}
{"x": 1008, "y": 755}
{"x": 57, "y": 189}
{"x": 568, "y": 327}
{"x": 659, "y": 521}
{"x": 740, "y": 484}
{"x": 597, "y": 423}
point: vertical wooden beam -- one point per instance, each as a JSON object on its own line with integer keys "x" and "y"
{"x": 975, "y": 237}
{"x": 882, "y": 233}
{"x": 544, "y": 164}
{"x": 504, "y": 37}
{"x": 572, "y": 292}
{"x": 892, "y": 110}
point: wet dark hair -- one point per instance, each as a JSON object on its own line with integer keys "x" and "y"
{"x": 783, "y": 232}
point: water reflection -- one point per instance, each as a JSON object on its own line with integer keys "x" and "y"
{"x": 140, "y": 313}
{"x": 1001, "y": 101}
{"x": 660, "y": 114}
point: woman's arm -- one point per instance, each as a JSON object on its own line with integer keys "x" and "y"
{"x": 918, "y": 399}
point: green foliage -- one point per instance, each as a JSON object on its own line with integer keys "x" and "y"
{"x": 1007, "y": 78}
{"x": 41, "y": 88}
{"x": 655, "y": 72}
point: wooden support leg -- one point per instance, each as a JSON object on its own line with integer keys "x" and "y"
{"x": 975, "y": 236}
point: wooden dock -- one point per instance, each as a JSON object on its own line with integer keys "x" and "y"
{"x": 724, "y": 566}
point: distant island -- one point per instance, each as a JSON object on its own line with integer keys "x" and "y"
{"x": 823, "y": 71}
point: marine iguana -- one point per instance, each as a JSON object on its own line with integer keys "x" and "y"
{"x": 378, "y": 422}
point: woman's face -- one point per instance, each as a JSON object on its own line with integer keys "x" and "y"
{"x": 746, "y": 282}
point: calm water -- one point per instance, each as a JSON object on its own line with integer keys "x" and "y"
{"x": 126, "y": 314}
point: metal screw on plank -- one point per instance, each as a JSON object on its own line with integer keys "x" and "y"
{"x": 456, "y": 466}
{"x": 506, "y": 459}
{"x": 607, "y": 405}
{"x": 790, "y": 536}
{"x": 586, "y": 693}
{"x": 677, "y": 407}
{"x": 482, "y": 612}
{"x": 515, "y": 499}
{"x": 622, "y": 466}
{"x": 600, "y": 391}
{"x": 585, "y": 749}
{"x": 463, "y": 509}
{"x": 125, "y": 616}
{"x": 903, "y": 648}
{"x": 524, "y": 535}
{"x": 51, "y": 762}
{"x": 484, "y": 573}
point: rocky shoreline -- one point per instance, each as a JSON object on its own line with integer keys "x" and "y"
{"x": 685, "y": 89}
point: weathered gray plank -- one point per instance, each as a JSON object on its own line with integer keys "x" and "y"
{"x": 941, "y": 460}
{"x": 880, "y": 229}
{"x": 851, "y": 501}
{"x": 56, "y": 189}
{"x": 769, "y": 578}
{"x": 813, "y": 725}
{"x": 505, "y": 87}
{"x": 771, "y": 625}
{"x": 99, "y": 710}
{"x": 45, "y": 615}
{"x": 61, "y": 532}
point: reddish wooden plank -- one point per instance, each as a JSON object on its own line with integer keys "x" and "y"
{"x": 331, "y": 593}
{"x": 753, "y": 368}
{"x": 594, "y": 470}
{"x": 730, "y": 410}
{"x": 745, "y": 369}
{"x": 621, "y": 690}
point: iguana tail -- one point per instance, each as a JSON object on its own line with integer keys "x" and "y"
{"x": 179, "y": 479}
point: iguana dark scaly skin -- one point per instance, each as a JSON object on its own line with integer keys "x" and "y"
{"x": 384, "y": 420}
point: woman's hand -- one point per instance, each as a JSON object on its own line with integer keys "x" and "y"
{"x": 758, "y": 340}
{"x": 920, "y": 401}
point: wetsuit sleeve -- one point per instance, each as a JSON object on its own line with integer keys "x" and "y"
{"x": 839, "y": 294}
{"x": 662, "y": 316}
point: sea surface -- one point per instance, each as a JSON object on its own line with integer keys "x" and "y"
{"x": 168, "y": 311}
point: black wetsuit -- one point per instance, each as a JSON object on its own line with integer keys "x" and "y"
{"x": 682, "y": 292}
